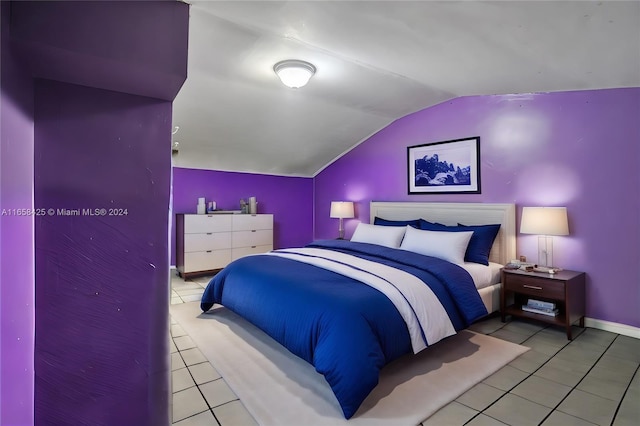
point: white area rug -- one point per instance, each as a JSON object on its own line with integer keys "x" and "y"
{"x": 281, "y": 389}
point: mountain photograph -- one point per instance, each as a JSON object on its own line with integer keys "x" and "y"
{"x": 430, "y": 171}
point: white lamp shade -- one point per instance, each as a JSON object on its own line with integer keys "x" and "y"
{"x": 544, "y": 221}
{"x": 342, "y": 209}
{"x": 294, "y": 73}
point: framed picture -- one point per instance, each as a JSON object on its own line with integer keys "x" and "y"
{"x": 445, "y": 167}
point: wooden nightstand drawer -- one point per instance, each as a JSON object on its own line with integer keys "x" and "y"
{"x": 535, "y": 286}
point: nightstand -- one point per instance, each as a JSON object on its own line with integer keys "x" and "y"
{"x": 565, "y": 289}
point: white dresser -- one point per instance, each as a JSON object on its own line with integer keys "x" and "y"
{"x": 206, "y": 243}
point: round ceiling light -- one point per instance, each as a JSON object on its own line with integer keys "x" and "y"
{"x": 294, "y": 73}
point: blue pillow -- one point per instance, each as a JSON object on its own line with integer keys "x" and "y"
{"x": 384, "y": 222}
{"x": 434, "y": 226}
{"x": 481, "y": 241}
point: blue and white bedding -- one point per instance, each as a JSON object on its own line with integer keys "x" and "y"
{"x": 348, "y": 308}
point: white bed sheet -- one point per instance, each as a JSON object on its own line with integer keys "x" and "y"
{"x": 483, "y": 276}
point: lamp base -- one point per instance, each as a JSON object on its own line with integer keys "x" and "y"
{"x": 545, "y": 251}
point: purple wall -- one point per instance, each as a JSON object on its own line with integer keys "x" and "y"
{"x": 143, "y": 52}
{"x": 575, "y": 149}
{"x": 16, "y": 237}
{"x": 101, "y": 281}
{"x": 289, "y": 199}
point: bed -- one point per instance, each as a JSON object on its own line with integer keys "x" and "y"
{"x": 504, "y": 246}
{"x": 312, "y": 300}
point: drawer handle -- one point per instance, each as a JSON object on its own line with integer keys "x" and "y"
{"x": 253, "y": 230}
{"x": 209, "y": 233}
{"x": 533, "y": 287}
{"x": 253, "y": 246}
{"x": 209, "y": 251}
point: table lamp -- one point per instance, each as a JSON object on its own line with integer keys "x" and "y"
{"x": 341, "y": 210}
{"x": 545, "y": 222}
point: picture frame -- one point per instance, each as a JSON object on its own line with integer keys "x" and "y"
{"x": 447, "y": 167}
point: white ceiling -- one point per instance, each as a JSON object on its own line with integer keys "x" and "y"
{"x": 377, "y": 61}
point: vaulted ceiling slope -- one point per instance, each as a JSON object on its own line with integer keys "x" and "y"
{"x": 376, "y": 62}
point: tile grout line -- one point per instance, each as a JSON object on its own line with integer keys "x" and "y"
{"x": 198, "y": 387}
{"x": 501, "y": 396}
{"x": 210, "y": 409}
{"x": 513, "y": 387}
{"x": 615, "y": 414}
{"x": 575, "y": 387}
{"x": 194, "y": 385}
{"x": 199, "y": 390}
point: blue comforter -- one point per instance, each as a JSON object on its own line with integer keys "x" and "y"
{"x": 347, "y": 330}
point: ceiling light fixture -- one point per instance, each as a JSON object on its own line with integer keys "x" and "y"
{"x": 294, "y": 73}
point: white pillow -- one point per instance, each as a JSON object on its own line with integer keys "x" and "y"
{"x": 388, "y": 236}
{"x": 449, "y": 246}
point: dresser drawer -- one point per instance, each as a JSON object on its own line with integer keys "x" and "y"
{"x": 208, "y": 241}
{"x": 237, "y": 253}
{"x": 206, "y": 260}
{"x": 258, "y": 237}
{"x": 248, "y": 222}
{"x": 202, "y": 223}
{"x": 535, "y": 286}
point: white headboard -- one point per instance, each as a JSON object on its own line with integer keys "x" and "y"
{"x": 504, "y": 247}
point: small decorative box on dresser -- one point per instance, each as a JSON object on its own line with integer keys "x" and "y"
{"x": 565, "y": 289}
{"x": 206, "y": 243}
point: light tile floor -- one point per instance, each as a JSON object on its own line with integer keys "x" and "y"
{"x": 200, "y": 395}
{"x": 592, "y": 380}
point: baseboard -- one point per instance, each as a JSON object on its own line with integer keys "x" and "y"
{"x": 614, "y": 327}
